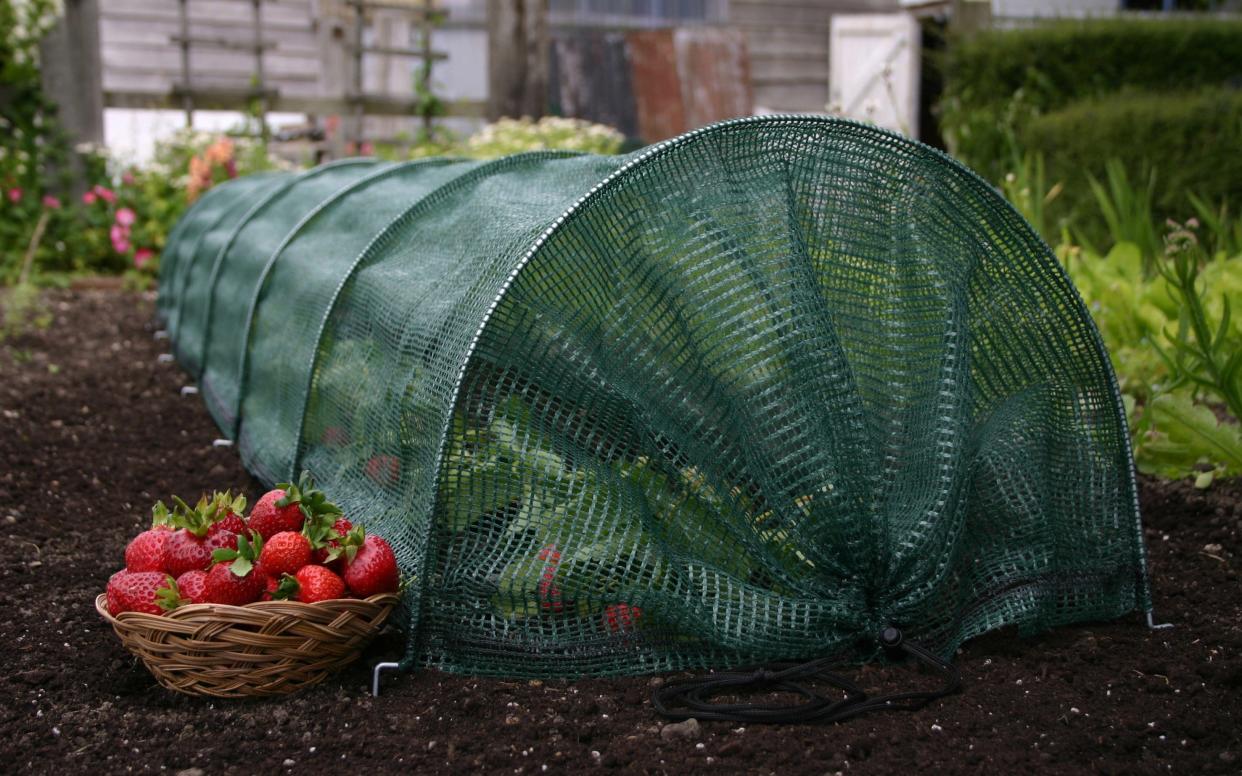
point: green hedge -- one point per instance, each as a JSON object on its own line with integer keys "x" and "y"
{"x": 996, "y": 81}
{"x": 1192, "y": 141}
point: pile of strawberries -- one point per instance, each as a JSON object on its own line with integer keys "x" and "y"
{"x": 295, "y": 545}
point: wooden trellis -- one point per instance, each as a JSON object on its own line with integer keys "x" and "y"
{"x": 266, "y": 55}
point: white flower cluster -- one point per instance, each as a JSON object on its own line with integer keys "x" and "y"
{"x": 32, "y": 20}
{"x": 511, "y": 136}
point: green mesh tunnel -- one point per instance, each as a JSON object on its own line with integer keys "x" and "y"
{"x": 750, "y": 394}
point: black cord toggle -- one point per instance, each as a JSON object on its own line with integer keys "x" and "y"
{"x": 694, "y": 697}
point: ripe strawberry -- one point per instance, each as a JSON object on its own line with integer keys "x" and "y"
{"x": 223, "y": 533}
{"x": 285, "y": 553}
{"x": 316, "y": 583}
{"x": 192, "y": 585}
{"x": 326, "y": 539}
{"x": 235, "y": 579}
{"x": 183, "y": 551}
{"x": 289, "y": 506}
{"x": 136, "y": 591}
{"x": 228, "y": 514}
{"x": 622, "y": 617}
{"x": 232, "y": 523}
{"x": 280, "y": 588}
{"x": 197, "y": 535}
{"x": 146, "y": 551}
{"x": 549, "y": 593}
{"x": 384, "y": 469}
{"x": 221, "y": 540}
{"x": 223, "y": 585}
{"x": 370, "y": 566}
{"x": 335, "y": 436}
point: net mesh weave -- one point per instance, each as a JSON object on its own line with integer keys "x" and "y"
{"x": 747, "y": 395}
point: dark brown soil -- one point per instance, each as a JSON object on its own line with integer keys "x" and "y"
{"x": 92, "y": 430}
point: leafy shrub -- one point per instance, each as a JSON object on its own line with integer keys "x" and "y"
{"x": 1176, "y": 348}
{"x": 1168, "y": 145}
{"x": 120, "y": 221}
{"x": 997, "y": 81}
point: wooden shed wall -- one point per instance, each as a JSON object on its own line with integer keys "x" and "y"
{"x": 788, "y": 45}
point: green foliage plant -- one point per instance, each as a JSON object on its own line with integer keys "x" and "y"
{"x": 1176, "y": 346}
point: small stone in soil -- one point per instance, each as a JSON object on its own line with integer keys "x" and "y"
{"x": 687, "y": 729}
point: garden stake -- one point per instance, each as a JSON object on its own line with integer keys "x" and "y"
{"x": 375, "y": 676}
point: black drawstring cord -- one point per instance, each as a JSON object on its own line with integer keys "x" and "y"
{"x": 692, "y": 697}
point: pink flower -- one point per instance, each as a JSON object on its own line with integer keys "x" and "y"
{"x": 120, "y": 238}
{"x": 15, "y": 195}
{"x": 142, "y": 256}
{"x": 125, "y": 217}
{"x": 230, "y": 168}
{"x": 50, "y": 202}
{"x": 128, "y": 178}
{"x": 106, "y": 194}
{"x": 367, "y": 149}
{"x": 89, "y": 198}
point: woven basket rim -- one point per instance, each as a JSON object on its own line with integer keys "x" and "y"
{"x": 223, "y": 611}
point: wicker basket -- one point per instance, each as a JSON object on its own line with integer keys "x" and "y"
{"x": 264, "y": 648}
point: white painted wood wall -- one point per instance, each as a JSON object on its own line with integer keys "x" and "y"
{"x": 874, "y": 69}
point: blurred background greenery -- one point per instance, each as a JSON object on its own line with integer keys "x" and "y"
{"x": 1117, "y": 138}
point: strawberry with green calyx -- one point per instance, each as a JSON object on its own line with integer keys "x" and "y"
{"x": 288, "y": 507}
{"x": 228, "y": 522}
{"x": 325, "y": 532}
{"x": 161, "y": 518}
{"x": 317, "y": 583}
{"x": 282, "y": 588}
{"x": 169, "y": 596}
{"x": 186, "y": 549}
{"x": 370, "y": 565}
{"x": 135, "y": 591}
{"x": 285, "y": 553}
{"x": 230, "y": 513}
{"x": 234, "y": 579}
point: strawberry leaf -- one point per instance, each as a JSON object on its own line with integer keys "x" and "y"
{"x": 287, "y": 588}
{"x": 351, "y": 542}
{"x": 244, "y": 557}
{"x": 241, "y": 566}
{"x": 169, "y": 597}
{"x": 196, "y": 519}
{"x": 160, "y": 515}
{"x": 224, "y": 554}
{"x": 319, "y": 530}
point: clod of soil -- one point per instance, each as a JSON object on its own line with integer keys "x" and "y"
{"x": 93, "y": 429}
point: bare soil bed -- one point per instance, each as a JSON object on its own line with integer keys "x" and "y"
{"x": 92, "y": 430}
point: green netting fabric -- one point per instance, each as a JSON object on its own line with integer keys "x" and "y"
{"x": 288, "y": 306}
{"x": 747, "y": 395}
{"x": 185, "y": 240}
{"x": 239, "y": 267}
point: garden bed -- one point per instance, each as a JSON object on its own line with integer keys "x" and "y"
{"x": 93, "y": 430}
